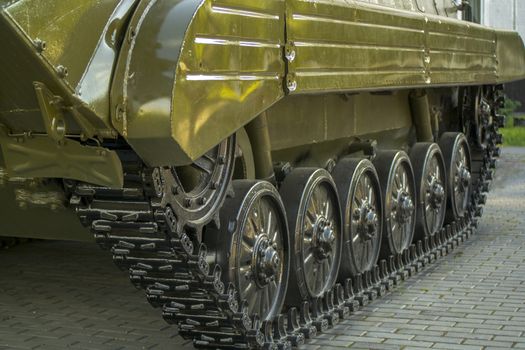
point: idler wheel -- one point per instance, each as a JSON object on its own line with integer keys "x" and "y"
{"x": 196, "y": 192}
{"x": 362, "y": 211}
{"x": 476, "y": 115}
{"x": 431, "y": 188}
{"x": 456, "y": 152}
{"x": 399, "y": 198}
{"x": 252, "y": 247}
{"x": 314, "y": 217}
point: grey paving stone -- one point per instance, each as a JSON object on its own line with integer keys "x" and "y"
{"x": 405, "y": 344}
{"x": 456, "y": 347}
{"x": 492, "y": 343}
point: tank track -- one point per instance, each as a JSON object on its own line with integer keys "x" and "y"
{"x": 172, "y": 268}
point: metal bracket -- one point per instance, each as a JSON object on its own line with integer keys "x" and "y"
{"x": 27, "y": 156}
{"x": 461, "y": 5}
{"x": 53, "y": 108}
{"x": 368, "y": 147}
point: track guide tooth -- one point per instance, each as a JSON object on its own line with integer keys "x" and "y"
{"x": 339, "y": 305}
{"x": 350, "y": 301}
{"x": 377, "y": 284}
{"x": 406, "y": 263}
{"x": 305, "y": 320}
{"x": 423, "y": 258}
{"x": 358, "y": 290}
{"x": 368, "y": 288}
{"x": 386, "y": 278}
{"x": 414, "y": 261}
{"x": 293, "y": 328}
{"x": 328, "y": 309}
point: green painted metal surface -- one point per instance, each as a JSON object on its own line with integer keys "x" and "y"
{"x": 187, "y": 73}
{"x": 217, "y": 65}
{"x": 345, "y": 46}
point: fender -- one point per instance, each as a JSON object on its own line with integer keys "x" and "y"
{"x": 193, "y": 72}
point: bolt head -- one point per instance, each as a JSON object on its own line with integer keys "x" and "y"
{"x": 291, "y": 85}
{"x": 290, "y": 55}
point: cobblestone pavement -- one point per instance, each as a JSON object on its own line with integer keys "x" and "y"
{"x": 60, "y": 295}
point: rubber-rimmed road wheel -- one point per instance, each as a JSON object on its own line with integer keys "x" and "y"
{"x": 399, "y": 197}
{"x": 362, "y": 209}
{"x": 431, "y": 194}
{"x": 252, "y": 246}
{"x": 314, "y": 218}
{"x": 456, "y": 152}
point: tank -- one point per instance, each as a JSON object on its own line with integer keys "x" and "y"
{"x": 261, "y": 168}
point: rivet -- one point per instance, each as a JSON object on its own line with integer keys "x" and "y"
{"x": 131, "y": 35}
{"x": 290, "y": 54}
{"x": 120, "y": 113}
{"x": 40, "y": 45}
{"x": 62, "y": 71}
{"x": 291, "y": 85}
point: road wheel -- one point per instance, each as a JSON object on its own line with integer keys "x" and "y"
{"x": 314, "y": 217}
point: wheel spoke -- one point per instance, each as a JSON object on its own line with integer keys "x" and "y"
{"x": 328, "y": 210}
{"x": 397, "y": 181}
{"x": 252, "y": 298}
{"x": 248, "y": 289}
{"x": 362, "y": 188}
{"x": 254, "y": 223}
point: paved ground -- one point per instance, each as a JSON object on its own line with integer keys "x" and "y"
{"x": 58, "y": 295}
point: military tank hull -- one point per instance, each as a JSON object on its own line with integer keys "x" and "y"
{"x": 260, "y": 168}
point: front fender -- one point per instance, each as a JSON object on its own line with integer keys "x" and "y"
{"x": 192, "y": 72}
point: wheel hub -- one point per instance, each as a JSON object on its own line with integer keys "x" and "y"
{"x": 406, "y": 207}
{"x": 367, "y": 220}
{"x": 324, "y": 237}
{"x": 464, "y": 178}
{"x": 266, "y": 260}
{"x": 437, "y": 194}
